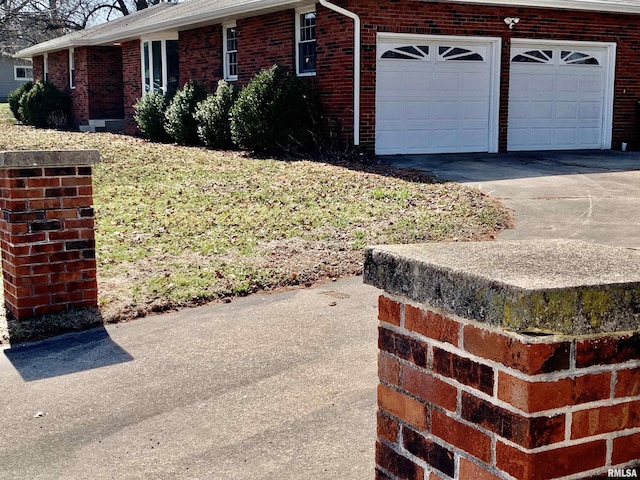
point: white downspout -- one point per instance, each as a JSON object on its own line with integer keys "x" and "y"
{"x": 356, "y": 65}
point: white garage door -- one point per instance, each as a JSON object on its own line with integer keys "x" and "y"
{"x": 435, "y": 95}
{"x": 559, "y": 97}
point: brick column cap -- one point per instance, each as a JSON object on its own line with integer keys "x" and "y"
{"x": 562, "y": 286}
{"x": 47, "y": 158}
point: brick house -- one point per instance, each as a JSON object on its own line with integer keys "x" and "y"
{"x": 430, "y": 76}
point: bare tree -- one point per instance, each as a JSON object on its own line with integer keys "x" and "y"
{"x": 26, "y": 22}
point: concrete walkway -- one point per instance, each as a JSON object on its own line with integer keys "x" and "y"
{"x": 271, "y": 386}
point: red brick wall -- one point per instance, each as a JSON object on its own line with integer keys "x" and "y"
{"x": 59, "y": 69}
{"x": 131, "y": 82}
{"x": 105, "y": 82}
{"x": 80, "y": 94}
{"x": 201, "y": 56}
{"x": 264, "y": 41}
{"x": 334, "y": 74}
{"x": 436, "y": 18}
{"x": 463, "y": 400}
{"x": 38, "y": 68}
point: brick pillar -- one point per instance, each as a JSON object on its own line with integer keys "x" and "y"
{"x": 47, "y": 232}
{"x": 507, "y": 360}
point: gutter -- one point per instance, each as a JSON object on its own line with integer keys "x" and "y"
{"x": 356, "y": 65}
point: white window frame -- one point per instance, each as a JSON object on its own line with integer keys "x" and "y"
{"x": 45, "y": 67}
{"x": 72, "y": 69}
{"x": 163, "y": 47}
{"x": 25, "y": 78}
{"x": 299, "y": 12}
{"x": 225, "y": 52}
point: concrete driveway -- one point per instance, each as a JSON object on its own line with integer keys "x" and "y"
{"x": 592, "y": 196}
{"x": 275, "y": 386}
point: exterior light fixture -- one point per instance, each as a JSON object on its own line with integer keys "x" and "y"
{"x": 511, "y": 21}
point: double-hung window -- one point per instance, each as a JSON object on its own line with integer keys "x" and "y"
{"x": 22, "y": 73}
{"x": 306, "y": 41}
{"x": 160, "y": 65}
{"x": 72, "y": 69}
{"x": 230, "y": 53}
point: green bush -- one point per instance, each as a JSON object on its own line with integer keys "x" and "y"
{"x": 14, "y": 99}
{"x": 180, "y": 121}
{"x": 273, "y": 114}
{"x": 212, "y": 116}
{"x": 43, "y": 103}
{"x": 149, "y": 115}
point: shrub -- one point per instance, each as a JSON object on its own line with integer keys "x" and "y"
{"x": 44, "y": 102}
{"x": 180, "y": 121}
{"x": 14, "y": 99}
{"x": 149, "y": 115}
{"x": 212, "y": 116}
{"x": 273, "y": 113}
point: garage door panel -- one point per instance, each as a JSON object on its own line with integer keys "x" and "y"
{"x": 477, "y": 83}
{"x": 474, "y": 111}
{"x": 541, "y": 110}
{"x": 446, "y": 139}
{"x": 565, "y": 137}
{"x": 569, "y": 83}
{"x": 540, "y": 137}
{"x": 542, "y": 83}
{"x": 392, "y": 111}
{"x": 518, "y": 138}
{"x": 519, "y": 110}
{"x": 445, "y": 110}
{"x": 416, "y": 141}
{"x": 418, "y": 82}
{"x": 447, "y": 82}
{"x": 590, "y": 111}
{"x": 473, "y": 138}
{"x": 391, "y": 84}
{"x": 589, "y": 136}
{"x": 592, "y": 84}
{"x": 436, "y": 102}
{"x": 567, "y": 110}
{"x": 520, "y": 82}
{"x": 419, "y": 111}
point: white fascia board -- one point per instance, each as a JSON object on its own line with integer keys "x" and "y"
{"x": 619, "y": 6}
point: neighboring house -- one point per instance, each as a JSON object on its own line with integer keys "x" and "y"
{"x": 431, "y": 76}
{"x": 13, "y": 73}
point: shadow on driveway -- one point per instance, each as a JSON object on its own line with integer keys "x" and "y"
{"x": 484, "y": 167}
{"x": 71, "y": 353}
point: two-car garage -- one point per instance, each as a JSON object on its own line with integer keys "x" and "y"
{"x": 440, "y": 94}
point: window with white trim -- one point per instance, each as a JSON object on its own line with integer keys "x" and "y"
{"x": 306, "y": 41}
{"x": 230, "y": 53}
{"x": 45, "y": 67}
{"x": 22, "y": 73}
{"x": 160, "y": 65}
{"x": 72, "y": 69}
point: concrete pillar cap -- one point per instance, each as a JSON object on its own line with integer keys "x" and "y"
{"x": 564, "y": 286}
{"x": 48, "y": 158}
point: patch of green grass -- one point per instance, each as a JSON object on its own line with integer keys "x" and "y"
{"x": 181, "y": 225}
